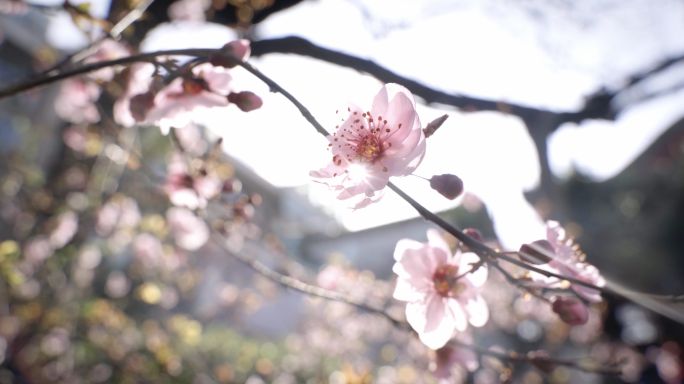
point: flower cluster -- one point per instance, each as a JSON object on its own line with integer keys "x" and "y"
{"x": 169, "y": 101}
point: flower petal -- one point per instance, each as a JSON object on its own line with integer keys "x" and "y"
{"x": 477, "y": 311}
{"x": 458, "y": 314}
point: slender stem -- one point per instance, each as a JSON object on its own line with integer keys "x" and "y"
{"x": 145, "y": 57}
{"x": 512, "y": 280}
{"x": 298, "y": 285}
{"x": 474, "y": 245}
{"x": 336, "y": 296}
{"x": 513, "y": 356}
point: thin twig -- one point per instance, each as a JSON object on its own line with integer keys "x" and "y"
{"x": 513, "y": 356}
{"x": 298, "y": 285}
{"x": 131, "y": 17}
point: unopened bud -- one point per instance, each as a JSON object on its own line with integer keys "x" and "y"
{"x": 474, "y": 234}
{"x": 246, "y": 101}
{"x": 434, "y": 125}
{"x": 140, "y": 105}
{"x": 570, "y": 309}
{"x": 541, "y": 360}
{"x": 239, "y": 48}
{"x": 449, "y": 186}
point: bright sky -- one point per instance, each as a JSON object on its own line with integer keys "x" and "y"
{"x": 536, "y": 54}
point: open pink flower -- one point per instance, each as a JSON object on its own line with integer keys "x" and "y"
{"x": 186, "y": 190}
{"x": 561, "y": 256}
{"x": 174, "y": 103}
{"x": 440, "y": 291}
{"x": 370, "y": 147}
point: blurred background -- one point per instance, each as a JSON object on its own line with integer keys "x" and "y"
{"x": 558, "y": 110}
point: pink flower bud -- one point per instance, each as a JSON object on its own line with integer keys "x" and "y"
{"x": 570, "y": 309}
{"x": 434, "y": 125}
{"x": 141, "y": 104}
{"x": 239, "y": 48}
{"x": 474, "y": 234}
{"x": 246, "y": 101}
{"x": 537, "y": 252}
{"x": 449, "y": 186}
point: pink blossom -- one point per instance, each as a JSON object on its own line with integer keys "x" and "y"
{"x": 189, "y": 10}
{"x": 148, "y": 250}
{"x": 65, "y": 229}
{"x": 447, "y": 357}
{"x": 186, "y": 190}
{"x": 370, "y": 147}
{"x": 119, "y": 212}
{"x": 189, "y": 231}
{"x": 564, "y": 258}
{"x": 107, "y": 50}
{"x": 37, "y": 249}
{"x": 75, "y": 102}
{"x": 330, "y": 277}
{"x": 76, "y": 138}
{"x": 174, "y": 103}
{"x": 440, "y": 291}
{"x": 139, "y": 81}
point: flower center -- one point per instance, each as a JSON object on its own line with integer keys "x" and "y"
{"x": 367, "y": 137}
{"x": 193, "y": 86}
{"x": 445, "y": 281}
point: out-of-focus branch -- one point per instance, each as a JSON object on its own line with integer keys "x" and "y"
{"x": 290, "y": 282}
{"x": 481, "y": 249}
{"x": 585, "y": 365}
{"x": 257, "y": 266}
{"x": 131, "y": 17}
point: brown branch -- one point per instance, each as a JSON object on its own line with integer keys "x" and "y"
{"x": 291, "y": 282}
{"x": 479, "y": 248}
{"x": 312, "y": 290}
{"x": 517, "y": 357}
{"x": 302, "y": 47}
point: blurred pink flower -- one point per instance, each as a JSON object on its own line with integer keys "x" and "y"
{"x": 189, "y": 10}
{"x": 76, "y": 138}
{"x": 189, "y": 231}
{"x": 107, "y": 50}
{"x": 440, "y": 291}
{"x": 370, "y": 147}
{"x": 75, "y": 102}
{"x": 564, "y": 258}
{"x": 148, "y": 250}
{"x": 330, "y": 277}
{"x": 139, "y": 81}
{"x": 570, "y": 309}
{"x": 64, "y": 230}
{"x": 37, "y": 249}
{"x": 117, "y": 213}
{"x": 174, "y": 103}
{"x": 446, "y": 357}
{"x": 188, "y": 191}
